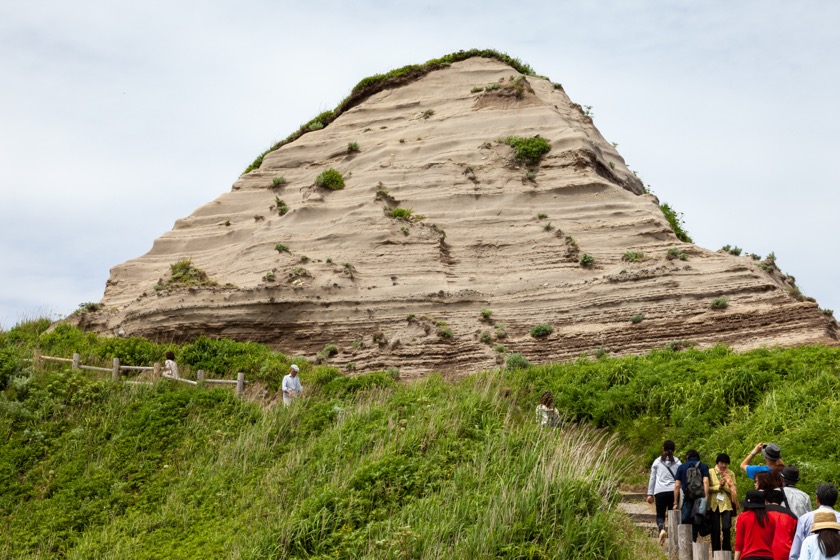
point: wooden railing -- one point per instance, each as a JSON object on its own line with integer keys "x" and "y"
{"x": 681, "y": 545}
{"x": 116, "y": 372}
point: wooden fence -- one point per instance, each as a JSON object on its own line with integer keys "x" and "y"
{"x": 681, "y": 546}
{"x": 116, "y": 372}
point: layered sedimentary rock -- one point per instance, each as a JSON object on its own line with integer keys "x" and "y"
{"x": 488, "y": 232}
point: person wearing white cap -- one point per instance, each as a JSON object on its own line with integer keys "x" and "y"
{"x": 291, "y": 385}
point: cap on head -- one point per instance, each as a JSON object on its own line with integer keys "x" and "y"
{"x": 754, "y": 500}
{"x": 295, "y": 368}
{"x": 772, "y": 451}
{"x": 824, "y": 519}
{"x": 791, "y": 474}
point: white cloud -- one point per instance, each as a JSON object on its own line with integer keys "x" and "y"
{"x": 120, "y": 118}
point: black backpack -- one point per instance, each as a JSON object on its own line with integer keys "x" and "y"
{"x": 694, "y": 482}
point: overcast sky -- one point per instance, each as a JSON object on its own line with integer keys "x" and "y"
{"x": 118, "y": 118}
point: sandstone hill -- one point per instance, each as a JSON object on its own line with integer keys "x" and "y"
{"x": 570, "y": 239}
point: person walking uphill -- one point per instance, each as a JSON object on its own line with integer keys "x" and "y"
{"x": 826, "y": 498}
{"x": 547, "y": 415}
{"x": 754, "y": 530}
{"x": 723, "y": 495}
{"x": 693, "y": 479}
{"x": 170, "y": 368}
{"x": 291, "y": 385}
{"x": 800, "y": 503}
{"x": 663, "y": 476}
{"x": 824, "y": 543}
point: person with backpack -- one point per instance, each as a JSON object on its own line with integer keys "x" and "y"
{"x": 663, "y": 476}
{"x": 723, "y": 495}
{"x": 693, "y": 480}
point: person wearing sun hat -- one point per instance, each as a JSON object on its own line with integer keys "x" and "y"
{"x": 824, "y": 542}
{"x": 826, "y": 498}
{"x": 754, "y": 529}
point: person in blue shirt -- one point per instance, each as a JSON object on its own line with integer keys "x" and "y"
{"x": 772, "y": 458}
{"x": 692, "y": 459}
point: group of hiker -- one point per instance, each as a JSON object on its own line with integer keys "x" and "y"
{"x": 777, "y": 521}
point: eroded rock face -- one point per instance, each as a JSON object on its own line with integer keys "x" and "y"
{"x": 495, "y": 234}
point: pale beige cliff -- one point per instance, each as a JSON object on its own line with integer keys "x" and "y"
{"x": 432, "y": 145}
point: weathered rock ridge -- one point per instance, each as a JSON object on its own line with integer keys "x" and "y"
{"x": 496, "y": 234}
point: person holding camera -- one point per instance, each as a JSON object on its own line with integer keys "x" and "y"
{"x": 772, "y": 460}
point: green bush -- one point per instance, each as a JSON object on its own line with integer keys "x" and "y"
{"x": 184, "y": 274}
{"x": 404, "y": 214}
{"x": 541, "y": 330}
{"x": 278, "y": 181}
{"x": 529, "y": 150}
{"x": 282, "y": 207}
{"x": 517, "y": 361}
{"x": 633, "y": 256}
{"x": 732, "y": 250}
{"x": 281, "y": 248}
{"x": 638, "y": 318}
{"x": 720, "y": 303}
{"x": 352, "y": 147}
{"x": 675, "y": 220}
{"x": 330, "y": 179}
{"x": 586, "y": 260}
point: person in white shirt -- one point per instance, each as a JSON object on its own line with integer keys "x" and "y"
{"x": 661, "y": 485}
{"x": 800, "y": 503}
{"x": 292, "y": 388}
{"x": 547, "y": 415}
{"x": 824, "y": 543}
{"x": 826, "y": 498}
{"x": 170, "y": 368}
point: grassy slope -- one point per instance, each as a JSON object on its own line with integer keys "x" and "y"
{"x": 362, "y": 468}
{"x": 369, "y": 468}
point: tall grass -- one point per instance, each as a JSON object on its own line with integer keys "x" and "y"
{"x": 361, "y": 468}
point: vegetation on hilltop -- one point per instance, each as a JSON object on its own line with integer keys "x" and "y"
{"x": 395, "y": 78}
{"x": 361, "y": 468}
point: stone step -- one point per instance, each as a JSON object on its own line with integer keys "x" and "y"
{"x": 633, "y": 496}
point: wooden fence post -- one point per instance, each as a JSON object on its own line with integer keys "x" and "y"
{"x": 115, "y": 373}
{"x": 157, "y": 369}
{"x": 700, "y": 550}
{"x": 37, "y": 359}
{"x": 684, "y": 538}
{"x": 201, "y": 378}
{"x": 240, "y": 383}
{"x": 75, "y": 360}
{"x": 673, "y": 523}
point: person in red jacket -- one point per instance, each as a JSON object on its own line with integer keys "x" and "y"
{"x": 754, "y": 530}
{"x": 785, "y": 522}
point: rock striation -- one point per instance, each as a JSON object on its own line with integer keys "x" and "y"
{"x": 492, "y": 246}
